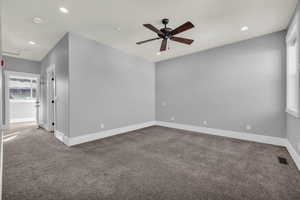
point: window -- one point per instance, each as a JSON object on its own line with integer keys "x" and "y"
{"x": 292, "y": 72}
{"x": 22, "y": 89}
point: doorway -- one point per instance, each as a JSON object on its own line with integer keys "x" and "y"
{"x": 22, "y": 100}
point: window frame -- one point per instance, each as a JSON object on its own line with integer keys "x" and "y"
{"x": 31, "y": 79}
{"x": 292, "y": 36}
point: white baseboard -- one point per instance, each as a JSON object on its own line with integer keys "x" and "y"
{"x": 45, "y": 126}
{"x": 107, "y": 133}
{"x": 225, "y": 133}
{"x": 211, "y": 131}
{"x": 61, "y": 137}
{"x": 293, "y": 153}
{"x": 238, "y": 135}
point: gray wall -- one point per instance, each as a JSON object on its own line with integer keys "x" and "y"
{"x": 59, "y": 57}
{"x": 293, "y": 124}
{"x": 108, "y": 86}
{"x": 21, "y": 65}
{"x": 229, "y": 87}
{"x": 18, "y": 65}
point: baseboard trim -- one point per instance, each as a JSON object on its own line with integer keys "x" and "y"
{"x": 211, "y": 131}
{"x": 293, "y": 153}
{"x": 225, "y": 133}
{"x": 107, "y": 133}
{"x": 61, "y": 137}
{"x": 238, "y": 135}
{"x": 44, "y": 126}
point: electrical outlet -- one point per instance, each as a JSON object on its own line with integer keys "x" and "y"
{"x": 248, "y": 127}
{"x": 204, "y": 122}
{"x": 102, "y": 125}
{"x": 172, "y": 118}
{"x": 163, "y": 103}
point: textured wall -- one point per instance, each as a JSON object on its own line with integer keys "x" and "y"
{"x": 229, "y": 87}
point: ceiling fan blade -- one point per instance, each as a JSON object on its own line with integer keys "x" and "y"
{"x": 182, "y": 40}
{"x": 186, "y": 26}
{"x": 163, "y": 46}
{"x": 152, "y": 28}
{"x": 142, "y": 42}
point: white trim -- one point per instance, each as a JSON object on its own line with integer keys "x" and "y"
{"x": 293, "y": 153}
{"x": 50, "y": 106}
{"x": 61, "y": 137}
{"x": 44, "y": 126}
{"x": 292, "y": 35}
{"x": 22, "y": 120}
{"x": 211, "y": 131}
{"x": 107, "y": 133}
{"x": 225, "y": 133}
{"x": 293, "y": 113}
{"x": 21, "y": 74}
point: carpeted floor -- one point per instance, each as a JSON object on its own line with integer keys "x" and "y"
{"x": 154, "y": 163}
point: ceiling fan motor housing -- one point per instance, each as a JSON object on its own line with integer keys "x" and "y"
{"x": 166, "y": 33}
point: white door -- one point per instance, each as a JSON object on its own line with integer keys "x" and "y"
{"x": 51, "y": 99}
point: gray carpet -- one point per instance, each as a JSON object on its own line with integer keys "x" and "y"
{"x": 154, "y": 163}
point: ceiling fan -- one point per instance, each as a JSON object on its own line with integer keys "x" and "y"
{"x": 168, "y": 33}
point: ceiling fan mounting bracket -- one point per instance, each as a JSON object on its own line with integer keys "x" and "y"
{"x": 165, "y": 21}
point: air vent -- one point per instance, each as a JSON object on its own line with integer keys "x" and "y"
{"x": 282, "y": 160}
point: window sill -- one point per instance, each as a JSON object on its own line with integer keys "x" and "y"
{"x": 293, "y": 113}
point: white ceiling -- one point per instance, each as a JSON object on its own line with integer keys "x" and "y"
{"x": 118, "y": 23}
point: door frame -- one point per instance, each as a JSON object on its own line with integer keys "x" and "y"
{"x": 49, "y": 105}
{"x": 7, "y": 74}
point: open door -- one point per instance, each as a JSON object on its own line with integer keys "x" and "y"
{"x": 21, "y": 97}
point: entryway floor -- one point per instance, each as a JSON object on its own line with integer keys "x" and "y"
{"x": 19, "y": 126}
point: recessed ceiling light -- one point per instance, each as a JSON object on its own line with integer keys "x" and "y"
{"x": 245, "y": 28}
{"x": 158, "y": 53}
{"x": 37, "y": 20}
{"x": 32, "y": 42}
{"x": 118, "y": 29}
{"x": 64, "y": 10}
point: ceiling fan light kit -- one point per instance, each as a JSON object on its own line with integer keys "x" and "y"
{"x": 168, "y": 33}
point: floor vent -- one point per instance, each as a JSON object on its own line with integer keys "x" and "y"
{"x": 282, "y": 160}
